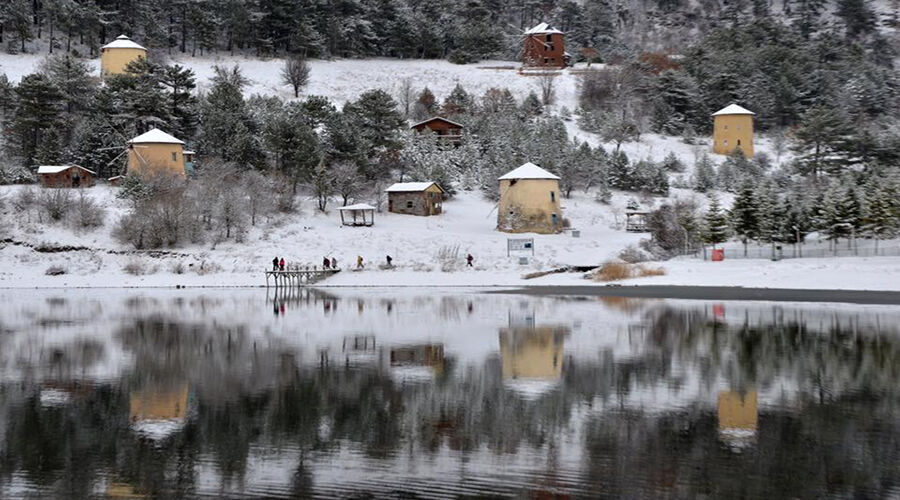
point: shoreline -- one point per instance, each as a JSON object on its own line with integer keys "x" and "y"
{"x": 716, "y": 293}
{"x": 649, "y": 291}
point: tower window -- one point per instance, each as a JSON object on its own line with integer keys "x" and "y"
{"x": 174, "y": 156}
{"x": 552, "y": 196}
{"x": 739, "y": 142}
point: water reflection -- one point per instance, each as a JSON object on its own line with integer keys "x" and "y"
{"x": 184, "y": 394}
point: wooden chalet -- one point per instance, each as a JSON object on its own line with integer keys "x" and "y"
{"x": 446, "y": 130}
{"x": 65, "y": 176}
{"x": 415, "y": 198}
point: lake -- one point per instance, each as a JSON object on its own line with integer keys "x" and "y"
{"x": 441, "y": 394}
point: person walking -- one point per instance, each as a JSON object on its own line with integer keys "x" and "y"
{"x": 326, "y": 263}
{"x": 281, "y": 264}
{"x": 275, "y": 264}
{"x": 389, "y": 260}
{"x": 333, "y": 263}
{"x": 359, "y": 262}
{"x": 469, "y": 260}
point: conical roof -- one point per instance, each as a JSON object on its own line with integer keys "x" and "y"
{"x": 733, "y": 109}
{"x": 155, "y": 136}
{"x": 528, "y": 171}
{"x": 122, "y": 42}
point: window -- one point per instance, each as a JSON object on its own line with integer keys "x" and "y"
{"x": 546, "y": 60}
{"x": 725, "y": 127}
{"x": 549, "y": 38}
{"x": 725, "y": 142}
{"x": 174, "y": 156}
{"x": 554, "y": 219}
{"x": 409, "y": 204}
{"x": 739, "y": 142}
{"x": 553, "y": 196}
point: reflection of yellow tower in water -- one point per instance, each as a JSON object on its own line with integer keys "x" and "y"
{"x": 532, "y": 353}
{"x": 155, "y": 404}
{"x": 429, "y": 355}
{"x": 738, "y": 415}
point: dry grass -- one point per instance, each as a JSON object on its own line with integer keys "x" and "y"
{"x": 644, "y": 271}
{"x": 615, "y": 270}
{"x": 612, "y": 270}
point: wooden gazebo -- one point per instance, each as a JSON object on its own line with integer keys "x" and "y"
{"x": 359, "y": 214}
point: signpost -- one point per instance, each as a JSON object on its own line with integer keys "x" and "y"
{"x": 519, "y": 245}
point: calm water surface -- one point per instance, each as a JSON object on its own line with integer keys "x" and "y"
{"x": 424, "y": 394}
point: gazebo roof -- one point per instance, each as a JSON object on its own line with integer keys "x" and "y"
{"x": 358, "y": 206}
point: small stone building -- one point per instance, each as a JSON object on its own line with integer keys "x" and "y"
{"x": 415, "y": 198}
{"x": 446, "y": 130}
{"x": 65, "y": 176}
{"x": 116, "y": 55}
{"x": 733, "y": 129}
{"x": 156, "y": 152}
{"x": 529, "y": 201}
{"x": 544, "y": 46}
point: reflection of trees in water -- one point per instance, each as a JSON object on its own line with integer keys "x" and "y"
{"x": 250, "y": 395}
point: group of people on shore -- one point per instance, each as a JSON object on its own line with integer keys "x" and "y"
{"x": 278, "y": 264}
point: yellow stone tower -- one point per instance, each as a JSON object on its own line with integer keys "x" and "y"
{"x": 732, "y": 129}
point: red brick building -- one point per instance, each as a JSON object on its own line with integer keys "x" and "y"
{"x": 544, "y": 46}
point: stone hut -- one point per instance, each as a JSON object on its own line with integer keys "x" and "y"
{"x": 415, "y": 198}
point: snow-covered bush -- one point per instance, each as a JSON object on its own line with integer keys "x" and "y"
{"x": 55, "y": 203}
{"x": 136, "y": 266}
{"x": 448, "y": 258}
{"x": 86, "y": 213}
{"x": 55, "y": 270}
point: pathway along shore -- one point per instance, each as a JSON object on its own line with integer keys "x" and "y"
{"x": 716, "y": 293}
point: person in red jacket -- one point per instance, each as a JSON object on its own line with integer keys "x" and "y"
{"x": 282, "y": 264}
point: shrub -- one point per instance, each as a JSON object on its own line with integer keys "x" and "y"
{"x": 135, "y": 267}
{"x": 632, "y": 255}
{"x": 448, "y": 258}
{"x": 55, "y": 203}
{"x": 177, "y": 267}
{"x": 645, "y": 271}
{"x": 55, "y": 270}
{"x": 86, "y": 212}
{"x": 207, "y": 268}
{"x": 613, "y": 270}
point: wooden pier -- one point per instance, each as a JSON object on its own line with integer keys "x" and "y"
{"x": 302, "y": 276}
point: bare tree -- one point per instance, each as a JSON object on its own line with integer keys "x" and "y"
{"x": 295, "y": 73}
{"x": 348, "y": 182}
{"x": 406, "y": 96}
{"x": 547, "y": 83}
{"x": 258, "y": 189}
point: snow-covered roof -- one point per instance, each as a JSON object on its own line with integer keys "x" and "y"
{"x": 155, "y": 136}
{"x": 529, "y": 171}
{"x": 733, "y": 109}
{"x": 122, "y": 42}
{"x": 187, "y": 152}
{"x": 435, "y": 118}
{"x": 55, "y": 169}
{"x": 411, "y": 187}
{"x": 358, "y": 206}
{"x": 541, "y": 29}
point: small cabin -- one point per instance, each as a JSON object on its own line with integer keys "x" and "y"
{"x": 156, "y": 152}
{"x": 529, "y": 201}
{"x": 544, "y": 47}
{"x": 65, "y": 176}
{"x": 446, "y": 130}
{"x": 733, "y": 129}
{"x": 636, "y": 221}
{"x": 116, "y": 55}
{"x": 359, "y": 214}
{"x": 189, "y": 162}
{"x": 415, "y": 198}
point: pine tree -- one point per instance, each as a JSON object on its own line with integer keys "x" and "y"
{"x": 73, "y": 79}
{"x": 704, "y": 174}
{"x": 818, "y": 137}
{"x": 715, "y": 229}
{"x": 745, "y": 214}
{"x": 458, "y": 102}
{"x": 183, "y": 106}
{"x": 672, "y": 163}
{"x": 532, "y": 106}
{"x": 857, "y": 17}
{"x": 879, "y": 218}
{"x": 376, "y": 121}
{"x": 37, "y": 114}
{"x": 425, "y": 105}
{"x": 621, "y": 174}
